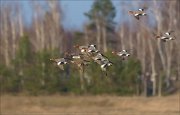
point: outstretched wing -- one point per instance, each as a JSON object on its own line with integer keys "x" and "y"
{"x": 61, "y": 67}
{"x": 137, "y": 16}
{"x": 57, "y": 60}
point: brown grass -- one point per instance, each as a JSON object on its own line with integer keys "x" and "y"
{"x": 89, "y": 105}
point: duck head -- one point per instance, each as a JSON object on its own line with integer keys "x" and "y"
{"x": 83, "y": 50}
{"x": 52, "y": 59}
{"x": 113, "y": 52}
{"x": 92, "y": 45}
{"x": 109, "y": 64}
{"x": 141, "y": 9}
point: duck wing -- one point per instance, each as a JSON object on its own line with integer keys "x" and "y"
{"x": 61, "y": 67}
{"x": 58, "y": 60}
{"x": 137, "y": 16}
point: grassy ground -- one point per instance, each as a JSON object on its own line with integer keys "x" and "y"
{"x": 89, "y": 105}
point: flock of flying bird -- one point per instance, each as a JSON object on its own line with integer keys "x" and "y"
{"x": 90, "y": 52}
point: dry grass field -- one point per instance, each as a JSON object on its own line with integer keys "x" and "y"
{"x": 89, "y": 105}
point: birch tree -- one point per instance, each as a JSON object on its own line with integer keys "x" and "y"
{"x": 102, "y": 15}
{"x": 5, "y": 17}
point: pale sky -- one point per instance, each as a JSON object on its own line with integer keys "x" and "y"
{"x": 74, "y": 10}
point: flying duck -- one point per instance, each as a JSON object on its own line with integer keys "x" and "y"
{"x": 79, "y": 61}
{"x": 165, "y": 37}
{"x": 99, "y": 58}
{"x": 104, "y": 65}
{"x": 60, "y": 62}
{"x": 102, "y": 61}
{"x": 122, "y": 54}
{"x": 83, "y": 49}
{"x": 92, "y": 49}
{"x": 140, "y": 12}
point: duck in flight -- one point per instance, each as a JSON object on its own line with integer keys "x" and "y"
{"x": 83, "y": 49}
{"x": 89, "y": 50}
{"x": 92, "y": 49}
{"x": 123, "y": 54}
{"x": 60, "y": 62}
{"x": 79, "y": 61}
{"x": 103, "y": 61}
{"x": 167, "y": 36}
{"x": 139, "y": 13}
